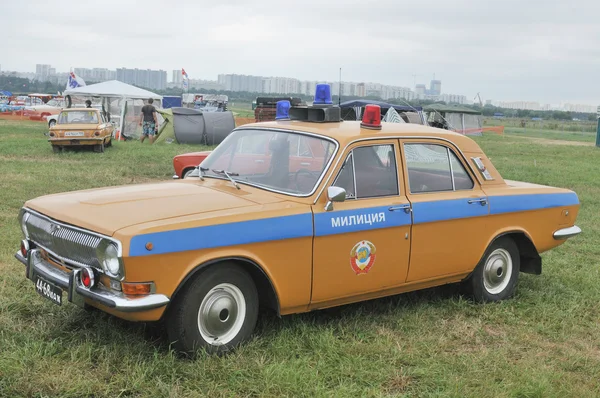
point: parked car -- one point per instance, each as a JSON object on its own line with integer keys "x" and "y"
{"x": 372, "y": 209}
{"x": 185, "y": 163}
{"x": 81, "y": 127}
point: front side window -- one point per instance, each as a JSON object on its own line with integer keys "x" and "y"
{"x": 369, "y": 172}
{"x": 434, "y": 168}
{"x": 271, "y": 159}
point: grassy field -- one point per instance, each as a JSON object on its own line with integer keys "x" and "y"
{"x": 543, "y": 343}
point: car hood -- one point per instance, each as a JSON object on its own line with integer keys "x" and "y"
{"x": 106, "y": 210}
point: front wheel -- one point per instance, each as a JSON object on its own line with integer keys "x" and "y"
{"x": 495, "y": 277}
{"x": 217, "y": 311}
{"x": 99, "y": 148}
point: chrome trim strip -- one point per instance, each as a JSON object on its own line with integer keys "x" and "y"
{"x": 567, "y": 233}
{"x": 395, "y": 137}
{"x": 99, "y": 294}
{"x": 325, "y": 169}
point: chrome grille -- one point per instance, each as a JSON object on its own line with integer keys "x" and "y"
{"x": 64, "y": 242}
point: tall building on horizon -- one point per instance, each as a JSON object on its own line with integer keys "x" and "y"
{"x": 151, "y": 79}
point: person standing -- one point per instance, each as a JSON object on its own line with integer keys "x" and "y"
{"x": 148, "y": 121}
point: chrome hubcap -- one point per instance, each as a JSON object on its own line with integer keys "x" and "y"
{"x": 221, "y": 314}
{"x": 497, "y": 271}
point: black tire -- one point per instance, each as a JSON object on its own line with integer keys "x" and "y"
{"x": 56, "y": 149}
{"x": 99, "y": 148}
{"x": 223, "y": 293}
{"x": 495, "y": 277}
{"x": 109, "y": 143}
{"x": 187, "y": 173}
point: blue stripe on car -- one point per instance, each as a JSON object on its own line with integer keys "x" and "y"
{"x": 514, "y": 203}
{"x": 338, "y": 222}
{"x": 237, "y": 233}
{"x": 345, "y": 221}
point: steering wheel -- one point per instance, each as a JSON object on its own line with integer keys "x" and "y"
{"x": 305, "y": 171}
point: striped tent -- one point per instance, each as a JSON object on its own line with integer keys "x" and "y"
{"x": 392, "y": 116}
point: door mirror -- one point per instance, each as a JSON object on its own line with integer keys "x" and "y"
{"x": 334, "y": 194}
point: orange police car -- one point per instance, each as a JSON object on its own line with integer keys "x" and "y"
{"x": 380, "y": 209}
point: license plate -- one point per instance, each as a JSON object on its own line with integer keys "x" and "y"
{"x": 48, "y": 290}
{"x": 74, "y": 134}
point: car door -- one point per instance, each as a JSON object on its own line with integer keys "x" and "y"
{"x": 363, "y": 244}
{"x": 450, "y": 209}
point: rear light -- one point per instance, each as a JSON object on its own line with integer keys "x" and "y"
{"x": 24, "y": 248}
{"x": 51, "y": 134}
{"x": 96, "y": 133}
{"x": 137, "y": 289}
{"x": 372, "y": 117}
{"x": 87, "y": 277}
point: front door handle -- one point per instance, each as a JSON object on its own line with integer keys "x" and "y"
{"x": 407, "y": 209}
{"x": 305, "y": 164}
{"x": 259, "y": 161}
{"x": 482, "y": 201}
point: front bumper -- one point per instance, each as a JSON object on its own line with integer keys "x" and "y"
{"x": 567, "y": 233}
{"x": 77, "y": 293}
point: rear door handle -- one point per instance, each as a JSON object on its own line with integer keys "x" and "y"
{"x": 259, "y": 161}
{"x": 305, "y": 164}
{"x": 407, "y": 209}
{"x": 482, "y": 201}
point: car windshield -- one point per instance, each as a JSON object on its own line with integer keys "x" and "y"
{"x": 76, "y": 117}
{"x": 287, "y": 162}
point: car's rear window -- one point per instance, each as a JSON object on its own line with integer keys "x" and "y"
{"x": 77, "y": 117}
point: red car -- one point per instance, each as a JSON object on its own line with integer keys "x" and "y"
{"x": 307, "y": 155}
{"x": 187, "y": 162}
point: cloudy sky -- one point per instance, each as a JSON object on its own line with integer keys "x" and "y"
{"x": 546, "y": 51}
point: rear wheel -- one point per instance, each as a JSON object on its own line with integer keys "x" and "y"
{"x": 109, "y": 143}
{"x": 56, "y": 149}
{"x": 217, "y": 311}
{"x": 99, "y": 147}
{"x": 495, "y": 277}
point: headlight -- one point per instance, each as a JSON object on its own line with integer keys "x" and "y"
{"x": 110, "y": 261}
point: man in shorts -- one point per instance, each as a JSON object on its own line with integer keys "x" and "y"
{"x": 148, "y": 121}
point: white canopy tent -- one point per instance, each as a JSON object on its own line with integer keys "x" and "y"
{"x": 119, "y": 97}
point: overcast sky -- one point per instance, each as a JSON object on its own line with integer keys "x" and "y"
{"x": 546, "y": 51}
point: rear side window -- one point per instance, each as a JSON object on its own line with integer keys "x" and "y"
{"x": 435, "y": 168}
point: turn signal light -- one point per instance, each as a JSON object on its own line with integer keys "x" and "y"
{"x": 136, "y": 289}
{"x": 372, "y": 117}
{"x": 87, "y": 277}
{"x": 24, "y": 248}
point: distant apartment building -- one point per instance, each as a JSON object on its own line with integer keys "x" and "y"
{"x": 198, "y": 84}
{"x": 177, "y": 77}
{"x": 42, "y": 71}
{"x": 96, "y": 74}
{"x": 580, "y": 108}
{"x": 233, "y": 82}
{"x": 147, "y": 78}
{"x": 453, "y": 99}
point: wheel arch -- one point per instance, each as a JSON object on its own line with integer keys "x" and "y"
{"x": 267, "y": 294}
{"x": 530, "y": 260}
{"x": 185, "y": 169}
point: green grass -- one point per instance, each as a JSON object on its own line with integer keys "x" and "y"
{"x": 543, "y": 343}
{"x": 551, "y": 134}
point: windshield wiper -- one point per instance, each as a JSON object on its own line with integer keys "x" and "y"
{"x": 200, "y": 172}
{"x": 228, "y": 174}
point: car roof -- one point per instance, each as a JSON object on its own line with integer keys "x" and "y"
{"x": 348, "y": 131}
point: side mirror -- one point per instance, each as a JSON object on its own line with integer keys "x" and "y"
{"x": 334, "y": 194}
